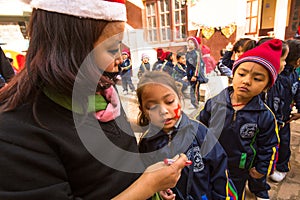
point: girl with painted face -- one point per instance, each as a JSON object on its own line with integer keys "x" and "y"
{"x": 171, "y": 131}
{"x": 65, "y": 134}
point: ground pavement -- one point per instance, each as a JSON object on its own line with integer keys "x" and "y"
{"x": 288, "y": 189}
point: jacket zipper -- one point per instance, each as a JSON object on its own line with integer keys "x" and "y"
{"x": 234, "y": 116}
{"x": 170, "y": 139}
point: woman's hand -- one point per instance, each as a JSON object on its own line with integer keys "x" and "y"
{"x": 166, "y": 176}
{"x": 157, "y": 177}
{"x": 255, "y": 174}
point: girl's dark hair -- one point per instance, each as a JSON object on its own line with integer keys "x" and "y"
{"x": 179, "y": 54}
{"x": 239, "y": 43}
{"x": 285, "y": 47}
{"x": 169, "y": 56}
{"x": 294, "y": 49}
{"x": 250, "y": 44}
{"x": 154, "y": 77}
{"x": 58, "y": 45}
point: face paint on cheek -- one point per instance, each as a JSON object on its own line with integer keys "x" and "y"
{"x": 177, "y": 112}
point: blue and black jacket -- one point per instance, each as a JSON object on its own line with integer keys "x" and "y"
{"x": 179, "y": 71}
{"x": 284, "y": 94}
{"x": 126, "y": 67}
{"x": 168, "y": 67}
{"x": 195, "y": 66}
{"x": 249, "y": 136}
{"x": 207, "y": 177}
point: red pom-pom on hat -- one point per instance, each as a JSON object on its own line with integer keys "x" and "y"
{"x": 267, "y": 54}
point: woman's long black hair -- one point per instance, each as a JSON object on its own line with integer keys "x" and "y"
{"x": 58, "y": 46}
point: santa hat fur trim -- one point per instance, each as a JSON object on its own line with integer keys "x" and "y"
{"x": 110, "y": 10}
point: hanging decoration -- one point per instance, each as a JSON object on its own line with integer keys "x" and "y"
{"x": 187, "y": 2}
{"x": 228, "y": 30}
{"x": 207, "y": 32}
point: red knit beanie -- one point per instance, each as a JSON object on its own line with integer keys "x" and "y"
{"x": 127, "y": 52}
{"x": 160, "y": 53}
{"x": 196, "y": 40}
{"x": 205, "y": 50}
{"x": 267, "y": 54}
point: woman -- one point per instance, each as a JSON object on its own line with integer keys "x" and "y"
{"x": 65, "y": 134}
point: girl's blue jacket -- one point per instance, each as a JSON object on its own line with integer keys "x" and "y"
{"x": 179, "y": 71}
{"x": 126, "y": 67}
{"x": 249, "y": 136}
{"x": 207, "y": 177}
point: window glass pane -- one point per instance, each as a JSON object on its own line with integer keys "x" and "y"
{"x": 177, "y": 19}
{"x": 253, "y": 25}
{"x": 247, "y": 25}
{"x": 149, "y": 35}
{"x": 177, "y": 5}
{"x": 163, "y": 33}
{"x": 148, "y": 9}
{"x": 183, "y": 17}
{"x": 254, "y": 8}
{"x": 168, "y": 34}
{"x": 162, "y": 6}
{"x": 163, "y": 21}
{"x": 248, "y": 9}
{"x": 153, "y": 21}
{"x": 168, "y": 19}
{"x": 167, "y": 7}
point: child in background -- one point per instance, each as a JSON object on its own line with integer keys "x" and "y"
{"x": 195, "y": 69}
{"x": 281, "y": 98}
{"x": 245, "y": 126}
{"x": 168, "y": 65}
{"x": 160, "y": 59}
{"x": 126, "y": 72}
{"x": 179, "y": 73}
{"x": 210, "y": 62}
{"x": 231, "y": 54}
{"x": 145, "y": 66}
{"x": 171, "y": 131}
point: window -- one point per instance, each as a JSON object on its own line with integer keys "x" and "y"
{"x": 251, "y": 17}
{"x": 180, "y": 21}
{"x": 151, "y": 22}
{"x": 165, "y": 20}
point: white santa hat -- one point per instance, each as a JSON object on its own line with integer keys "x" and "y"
{"x": 110, "y": 10}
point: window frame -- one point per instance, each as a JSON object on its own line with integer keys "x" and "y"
{"x": 250, "y": 17}
{"x": 168, "y": 27}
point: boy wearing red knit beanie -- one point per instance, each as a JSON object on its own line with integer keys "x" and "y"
{"x": 245, "y": 126}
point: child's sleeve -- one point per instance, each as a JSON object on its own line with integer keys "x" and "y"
{"x": 297, "y": 97}
{"x": 267, "y": 143}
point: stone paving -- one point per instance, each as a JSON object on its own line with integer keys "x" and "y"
{"x": 288, "y": 189}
